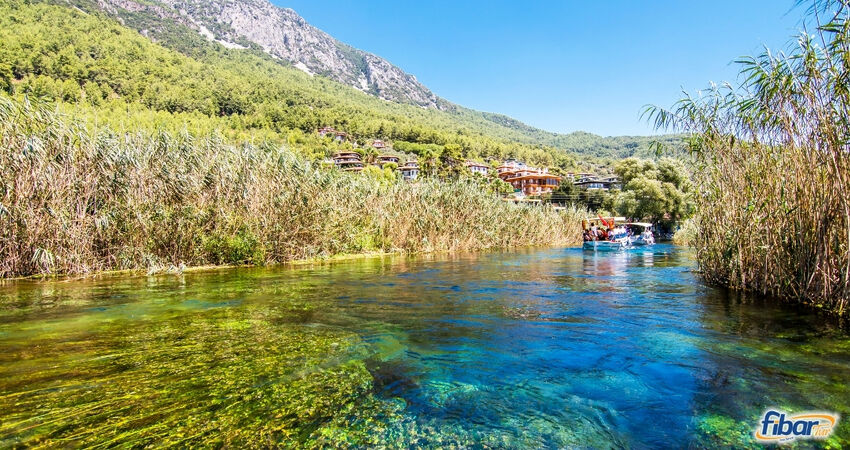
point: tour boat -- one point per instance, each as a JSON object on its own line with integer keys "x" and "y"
{"x": 645, "y": 237}
{"x": 620, "y": 240}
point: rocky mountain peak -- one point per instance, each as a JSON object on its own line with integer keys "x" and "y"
{"x": 283, "y": 34}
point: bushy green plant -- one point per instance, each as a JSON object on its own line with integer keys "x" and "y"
{"x": 239, "y": 248}
{"x": 659, "y": 192}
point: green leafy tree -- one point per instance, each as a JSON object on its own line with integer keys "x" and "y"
{"x": 451, "y": 162}
{"x": 567, "y": 193}
{"x": 631, "y": 168}
{"x": 369, "y": 154}
{"x": 385, "y": 176}
{"x": 429, "y": 160}
{"x": 673, "y": 171}
{"x": 642, "y": 198}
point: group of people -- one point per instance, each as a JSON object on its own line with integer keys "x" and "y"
{"x": 608, "y": 233}
{"x": 595, "y": 233}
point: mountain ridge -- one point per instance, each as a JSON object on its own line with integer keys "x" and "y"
{"x": 223, "y": 83}
{"x": 285, "y": 35}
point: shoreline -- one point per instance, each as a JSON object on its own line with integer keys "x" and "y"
{"x": 291, "y": 264}
{"x": 173, "y": 270}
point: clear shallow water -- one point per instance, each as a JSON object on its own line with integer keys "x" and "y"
{"x": 553, "y": 347}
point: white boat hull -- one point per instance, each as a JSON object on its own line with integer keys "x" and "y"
{"x": 639, "y": 241}
{"x": 602, "y": 246}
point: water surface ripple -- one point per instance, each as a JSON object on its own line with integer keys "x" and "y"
{"x": 551, "y": 347}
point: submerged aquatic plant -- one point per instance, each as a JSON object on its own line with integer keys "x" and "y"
{"x": 774, "y": 167}
{"x": 211, "y": 378}
{"x": 77, "y": 200}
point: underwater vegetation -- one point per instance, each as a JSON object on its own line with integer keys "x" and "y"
{"x": 531, "y": 348}
{"x": 210, "y": 378}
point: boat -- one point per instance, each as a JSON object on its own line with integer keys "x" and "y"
{"x": 618, "y": 238}
{"x": 641, "y": 234}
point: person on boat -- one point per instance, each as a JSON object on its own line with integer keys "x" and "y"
{"x": 586, "y": 236}
{"x": 594, "y": 232}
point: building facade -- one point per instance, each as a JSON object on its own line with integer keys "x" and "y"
{"x": 348, "y": 161}
{"x": 529, "y": 180}
{"x": 600, "y": 183}
{"x": 479, "y": 168}
{"x": 386, "y": 159}
{"x": 409, "y": 171}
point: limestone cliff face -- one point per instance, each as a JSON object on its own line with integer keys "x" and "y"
{"x": 284, "y": 34}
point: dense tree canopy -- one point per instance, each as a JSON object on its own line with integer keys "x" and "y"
{"x": 655, "y": 191}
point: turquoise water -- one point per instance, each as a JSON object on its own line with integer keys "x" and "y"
{"x": 551, "y": 347}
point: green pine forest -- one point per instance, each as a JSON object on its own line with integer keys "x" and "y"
{"x": 94, "y": 67}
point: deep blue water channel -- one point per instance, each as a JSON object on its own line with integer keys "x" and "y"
{"x": 531, "y": 348}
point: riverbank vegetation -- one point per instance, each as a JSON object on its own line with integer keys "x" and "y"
{"x": 77, "y": 199}
{"x": 774, "y": 168}
{"x": 658, "y": 191}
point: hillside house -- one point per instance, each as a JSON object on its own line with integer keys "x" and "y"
{"x": 600, "y": 183}
{"x": 409, "y": 171}
{"x": 339, "y": 136}
{"x": 526, "y": 179}
{"x": 386, "y": 159}
{"x": 348, "y": 161}
{"x": 479, "y": 168}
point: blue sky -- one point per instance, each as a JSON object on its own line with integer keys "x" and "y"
{"x": 560, "y": 65}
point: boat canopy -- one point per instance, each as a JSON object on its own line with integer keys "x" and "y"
{"x": 596, "y": 219}
{"x": 639, "y": 224}
{"x": 613, "y": 220}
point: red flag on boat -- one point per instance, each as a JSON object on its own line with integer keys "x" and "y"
{"x": 605, "y": 222}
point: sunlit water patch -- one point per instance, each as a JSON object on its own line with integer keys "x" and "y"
{"x": 554, "y": 347}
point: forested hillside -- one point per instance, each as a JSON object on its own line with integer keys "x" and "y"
{"x": 105, "y": 71}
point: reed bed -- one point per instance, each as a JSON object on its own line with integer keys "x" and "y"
{"x": 74, "y": 200}
{"x": 774, "y": 168}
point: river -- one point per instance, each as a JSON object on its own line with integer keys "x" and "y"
{"x": 530, "y": 348}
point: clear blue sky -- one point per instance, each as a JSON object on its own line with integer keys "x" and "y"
{"x": 560, "y": 65}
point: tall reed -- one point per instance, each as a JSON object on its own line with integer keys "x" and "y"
{"x": 774, "y": 168}
{"x": 75, "y": 200}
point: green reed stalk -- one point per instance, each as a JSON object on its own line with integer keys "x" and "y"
{"x": 774, "y": 168}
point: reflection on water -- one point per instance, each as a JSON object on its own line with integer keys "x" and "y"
{"x": 530, "y": 348}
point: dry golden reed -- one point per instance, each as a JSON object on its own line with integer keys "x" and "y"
{"x": 75, "y": 200}
{"x": 774, "y": 168}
